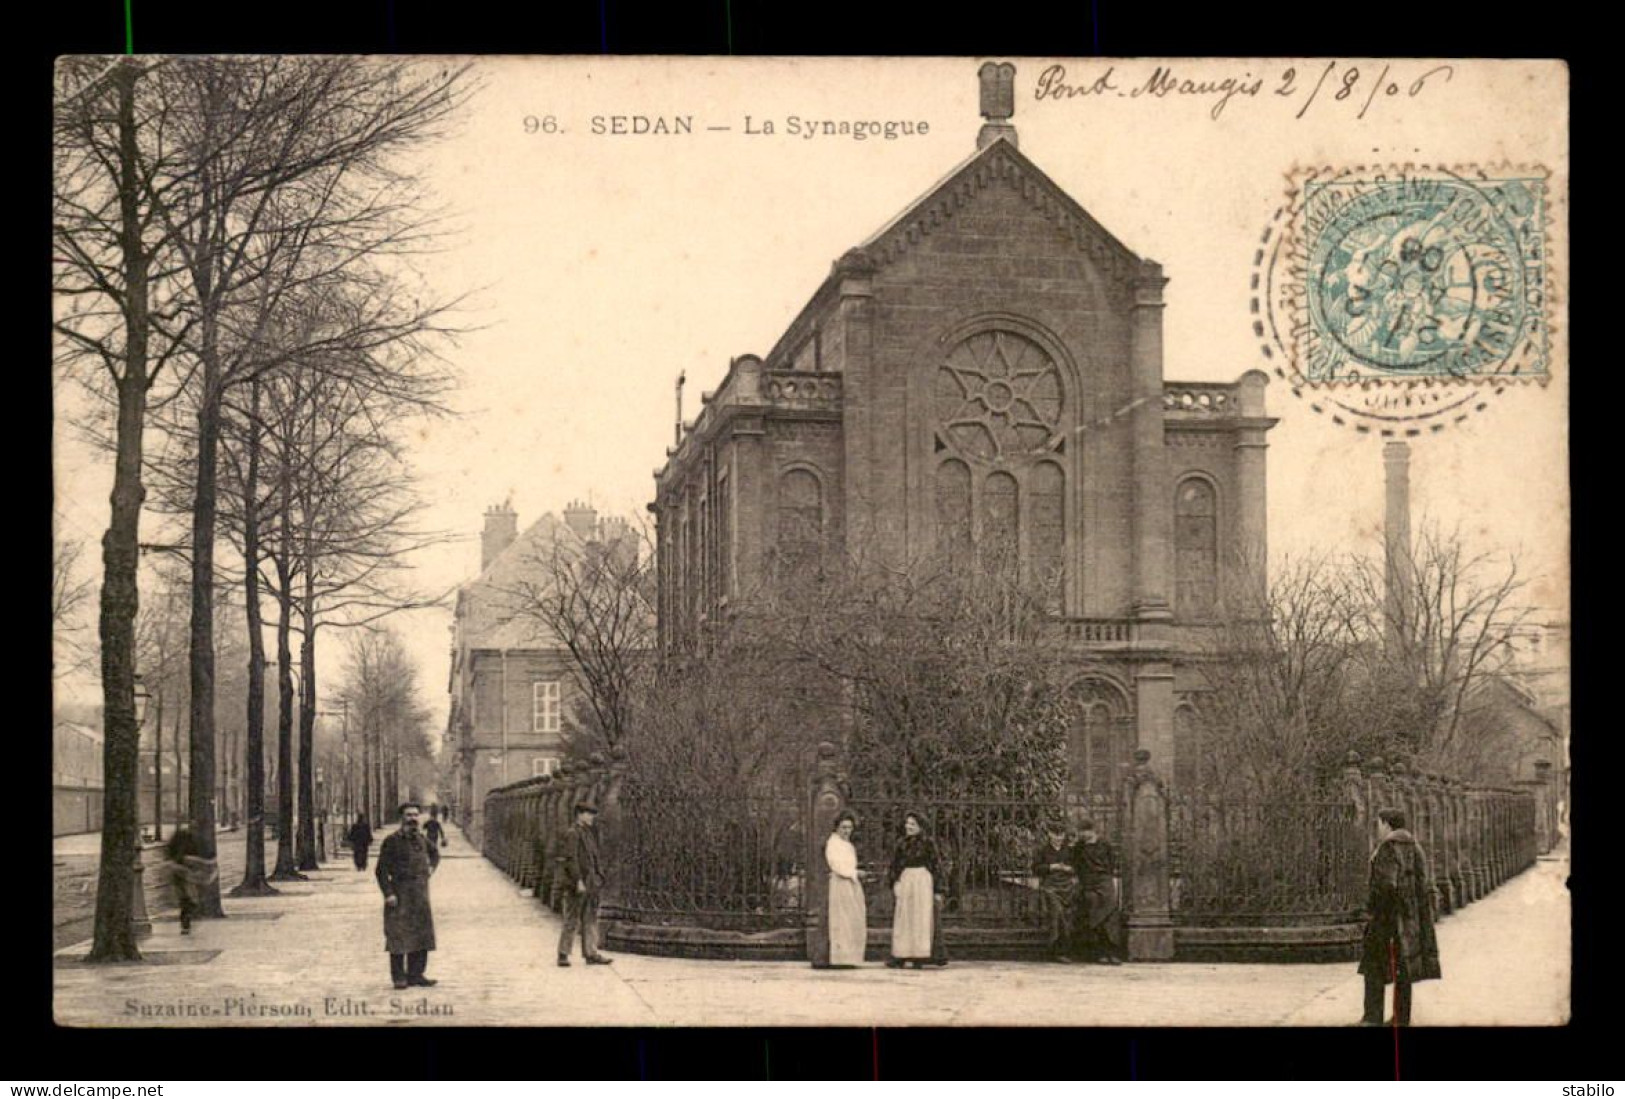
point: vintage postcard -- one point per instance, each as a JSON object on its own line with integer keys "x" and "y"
{"x": 715, "y": 541}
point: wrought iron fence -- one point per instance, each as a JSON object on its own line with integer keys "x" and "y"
{"x": 1241, "y": 862}
{"x": 730, "y": 861}
{"x": 984, "y": 850}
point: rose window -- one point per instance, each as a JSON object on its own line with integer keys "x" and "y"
{"x": 998, "y": 394}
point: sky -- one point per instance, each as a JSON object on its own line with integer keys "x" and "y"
{"x": 600, "y": 265}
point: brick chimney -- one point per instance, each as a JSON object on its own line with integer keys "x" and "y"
{"x": 501, "y": 528}
{"x": 1396, "y": 460}
{"x": 582, "y": 519}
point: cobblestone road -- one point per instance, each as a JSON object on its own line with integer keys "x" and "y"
{"x": 314, "y": 954}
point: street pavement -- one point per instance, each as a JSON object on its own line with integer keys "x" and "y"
{"x": 314, "y": 955}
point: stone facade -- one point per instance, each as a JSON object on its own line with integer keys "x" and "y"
{"x": 986, "y": 369}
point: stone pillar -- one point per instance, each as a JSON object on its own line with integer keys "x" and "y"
{"x": 826, "y": 804}
{"x": 1380, "y": 797}
{"x": 1478, "y": 872}
{"x": 563, "y": 817}
{"x": 854, "y": 325}
{"x": 1153, "y": 494}
{"x": 1154, "y": 713}
{"x": 1356, "y": 789}
{"x": 1251, "y": 510}
{"x": 1458, "y": 844}
{"x": 547, "y": 831}
{"x": 538, "y": 835}
{"x": 1147, "y": 896}
{"x": 1432, "y": 802}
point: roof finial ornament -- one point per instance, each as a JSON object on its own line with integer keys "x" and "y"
{"x": 998, "y": 80}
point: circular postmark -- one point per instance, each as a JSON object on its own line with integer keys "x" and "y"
{"x": 1399, "y": 300}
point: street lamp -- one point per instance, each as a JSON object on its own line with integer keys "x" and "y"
{"x": 321, "y": 813}
{"x": 140, "y": 922}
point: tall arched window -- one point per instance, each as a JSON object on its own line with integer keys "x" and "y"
{"x": 801, "y": 519}
{"x": 1001, "y": 524}
{"x": 1188, "y": 747}
{"x": 1196, "y": 549}
{"x": 1100, "y": 740}
{"x": 953, "y": 512}
{"x": 1048, "y": 537}
{"x": 725, "y": 537}
{"x": 998, "y": 421}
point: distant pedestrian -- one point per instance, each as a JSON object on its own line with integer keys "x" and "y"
{"x": 435, "y": 834}
{"x": 360, "y": 837}
{"x": 1058, "y": 885}
{"x": 405, "y": 862}
{"x": 189, "y": 872}
{"x": 914, "y": 874}
{"x": 1400, "y": 947}
{"x": 1100, "y": 907}
{"x": 848, "y": 916}
{"x": 581, "y": 872}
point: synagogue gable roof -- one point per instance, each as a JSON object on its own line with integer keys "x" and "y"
{"x": 999, "y": 164}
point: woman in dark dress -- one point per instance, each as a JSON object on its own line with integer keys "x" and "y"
{"x": 360, "y": 837}
{"x": 913, "y": 880}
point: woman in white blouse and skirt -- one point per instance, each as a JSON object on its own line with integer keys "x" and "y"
{"x": 848, "y": 918}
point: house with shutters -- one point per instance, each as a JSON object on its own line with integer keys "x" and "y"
{"x": 513, "y": 690}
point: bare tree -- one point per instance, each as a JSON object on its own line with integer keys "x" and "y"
{"x": 1447, "y": 632}
{"x": 948, "y": 669}
{"x": 594, "y": 598}
{"x": 70, "y": 593}
{"x": 380, "y": 687}
{"x": 304, "y": 188}
{"x": 1333, "y": 659}
{"x": 1281, "y": 669}
{"x": 114, "y": 170}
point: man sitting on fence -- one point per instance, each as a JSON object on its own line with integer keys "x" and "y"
{"x": 1058, "y": 883}
{"x": 1096, "y": 865}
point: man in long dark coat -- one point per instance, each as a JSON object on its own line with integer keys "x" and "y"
{"x": 1400, "y": 946}
{"x": 581, "y": 877}
{"x": 1099, "y": 908}
{"x": 405, "y": 862}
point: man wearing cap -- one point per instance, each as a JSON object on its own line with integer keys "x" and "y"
{"x": 1096, "y": 864}
{"x": 582, "y": 874}
{"x": 405, "y": 862}
{"x": 1058, "y": 884}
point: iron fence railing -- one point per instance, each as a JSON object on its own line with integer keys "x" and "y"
{"x": 731, "y": 861}
{"x": 984, "y": 849}
{"x": 1247, "y": 862}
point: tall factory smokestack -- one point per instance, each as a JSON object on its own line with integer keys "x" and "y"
{"x": 1396, "y": 460}
{"x": 682, "y": 376}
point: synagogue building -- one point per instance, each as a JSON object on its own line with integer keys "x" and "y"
{"x": 987, "y": 369}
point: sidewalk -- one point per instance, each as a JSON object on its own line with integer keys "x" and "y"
{"x": 76, "y": 861}
{"x": 1505, "y": 961}
{"x": 314, "y": 955}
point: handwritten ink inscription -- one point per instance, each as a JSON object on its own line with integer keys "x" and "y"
{"x": 1328, "y": 83}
